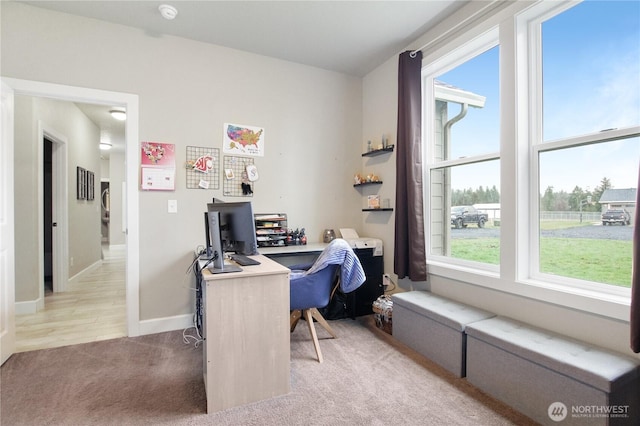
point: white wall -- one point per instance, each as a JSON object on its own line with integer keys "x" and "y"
{"x": 187, "y": 90}
{"x": 380, "y": 111}
{"x": 83, "y": 215}
{"x": 116, "y": 178}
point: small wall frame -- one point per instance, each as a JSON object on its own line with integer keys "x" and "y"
{"x": 85, "y": 184}
{"x": 90, "y": 185}
{"x": 81, "y": 183}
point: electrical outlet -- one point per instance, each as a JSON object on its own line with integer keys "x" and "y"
{"x": 386, "y": 280}
{"x": 71, "y": 261}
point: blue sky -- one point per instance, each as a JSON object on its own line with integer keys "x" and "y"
{"x": 591, "y": 71}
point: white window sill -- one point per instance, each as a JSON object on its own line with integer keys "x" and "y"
{"x": 614, "y": 305}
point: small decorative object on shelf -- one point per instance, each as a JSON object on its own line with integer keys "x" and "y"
{"x": 296, "y": 238}
{"x": 329, "y": 235}
{"x": 371, "y": 178}
{"x": 373, "y": 202}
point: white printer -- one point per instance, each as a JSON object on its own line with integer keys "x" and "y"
{"x": 357, "y": 242}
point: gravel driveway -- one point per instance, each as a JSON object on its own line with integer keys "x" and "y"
{"x": 611, "y": 232}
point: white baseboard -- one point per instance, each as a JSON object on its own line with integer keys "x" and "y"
{"x": 28, "y": 307}
{"x": 85, "y": 270}
{"x": 160, "y": 325}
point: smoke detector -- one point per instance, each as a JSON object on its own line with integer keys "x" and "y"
{"x": 167, "y": 11}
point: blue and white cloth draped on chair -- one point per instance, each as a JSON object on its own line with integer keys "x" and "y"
{"x": 338, "y": 252}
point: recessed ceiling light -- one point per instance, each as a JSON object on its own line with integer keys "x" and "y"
{"x": 105, "y": 146}
{"x": 167, "y": 11}
{"x": 118, "y": 114}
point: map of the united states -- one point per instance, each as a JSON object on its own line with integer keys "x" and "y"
{"x": 243, "y": 136}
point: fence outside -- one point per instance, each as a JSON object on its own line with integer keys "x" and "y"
{"x": 571, "y": 216}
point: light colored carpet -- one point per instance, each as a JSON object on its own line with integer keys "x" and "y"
{"x": 367, "y": 379}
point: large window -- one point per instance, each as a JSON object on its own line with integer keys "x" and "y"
{"x": 554, "y": 167}
{"x": 588, "y": 151}
{"x": 463, "y": 160}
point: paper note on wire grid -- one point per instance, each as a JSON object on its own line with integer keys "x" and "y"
{"x": 203, "y": 167}
{"x": 236, "y": 180}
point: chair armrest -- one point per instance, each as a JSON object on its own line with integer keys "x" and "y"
{"x": 301, "y": 267}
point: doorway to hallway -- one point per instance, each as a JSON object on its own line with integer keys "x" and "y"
{"x": 47, "y": 205}
{"x": 130, "y": 225}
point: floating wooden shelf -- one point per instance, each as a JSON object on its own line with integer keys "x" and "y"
{"x": 378, "y": 210}
{"x": 379, "y": 151}
{"x": 379, "y": 182}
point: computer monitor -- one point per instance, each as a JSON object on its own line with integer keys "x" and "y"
{"x": 237, "y": 227}
{"x": 215, "y": 250}
{"x": 215, "y": 262}
{"x": 208, "y": 253}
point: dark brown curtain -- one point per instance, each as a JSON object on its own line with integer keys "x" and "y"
{"x": 409, "y": 256}
{"x": 635, "y": 277}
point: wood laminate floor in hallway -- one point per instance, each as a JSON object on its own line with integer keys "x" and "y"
{"x": 93, "y": 308}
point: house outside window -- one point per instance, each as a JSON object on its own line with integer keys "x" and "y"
{"x": 463, "y": 164}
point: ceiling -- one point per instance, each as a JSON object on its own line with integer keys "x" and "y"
{"x": 111, "y": 130}
{"x": 351, "y": 37}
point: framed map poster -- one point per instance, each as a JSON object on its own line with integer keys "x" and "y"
{"x": 240, "y": 139}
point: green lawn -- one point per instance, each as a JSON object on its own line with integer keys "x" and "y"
{"x": 485, "y": 250}
{"x": 605, "y": 261}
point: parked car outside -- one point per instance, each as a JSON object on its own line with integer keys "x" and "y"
{"x": 461, "y": 216}
{"x": 613, "y": 216}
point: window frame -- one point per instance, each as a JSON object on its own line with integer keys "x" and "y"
{"x": 519, "y": 37}
{"x": 477, "y": 46}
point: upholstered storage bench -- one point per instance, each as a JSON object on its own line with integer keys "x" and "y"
{"x": 434, "y": 326}
{"x": 533, "y": 370}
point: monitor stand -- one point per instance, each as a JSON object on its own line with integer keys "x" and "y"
{"x": 226, "y": 268}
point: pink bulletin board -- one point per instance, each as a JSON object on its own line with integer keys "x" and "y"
{"x": 157, "y": 166}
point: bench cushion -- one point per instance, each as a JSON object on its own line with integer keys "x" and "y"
{"x": 598, "y": 367}
{"x": 434, "y": 327}
{"x": 447, "y": 312}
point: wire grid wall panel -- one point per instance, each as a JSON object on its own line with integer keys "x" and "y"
{"x": 194, "y": 177}
{"x": 235, "y": 175}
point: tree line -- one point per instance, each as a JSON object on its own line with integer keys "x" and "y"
{"x": 551, "y": 200}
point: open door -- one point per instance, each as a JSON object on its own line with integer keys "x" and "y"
{"x": 7, "y": 265}
{"x": 130, "y": 186}
{"x": 57, "y": 225}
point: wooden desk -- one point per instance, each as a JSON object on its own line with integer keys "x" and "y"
{"x": 294, "y": 255}
{"x": 246, "y": 330}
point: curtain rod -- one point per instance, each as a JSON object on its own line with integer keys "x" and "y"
{"x": 483, "y": 11}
